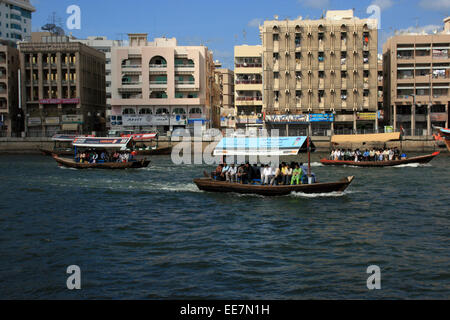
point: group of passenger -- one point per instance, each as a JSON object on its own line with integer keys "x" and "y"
{"x": 92, "y": 156}
{"x": 285, "y": 174}
{"x": 374, "y": 154}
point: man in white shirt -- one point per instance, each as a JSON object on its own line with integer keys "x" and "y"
{"x": 231, "y": 174}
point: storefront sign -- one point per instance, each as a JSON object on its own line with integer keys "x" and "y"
{"x": 193, "y": 121}
{"x": 366, "y": 116}
{"x": 52, "y": 121}
{"x": 72, "y": 119}
{"x": 34, "y": 121}
{"x": 246, "y": 120}
{"x": 60, "y": 101}
{"x": 321, "y": 117}
{"x": 136, "y": 120}
{"x": 290, "y": 118}
{"x": 439, "y": 117}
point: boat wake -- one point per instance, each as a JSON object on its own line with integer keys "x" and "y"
{"x": 319, "y": 195}
{"x": 414, "y": 165}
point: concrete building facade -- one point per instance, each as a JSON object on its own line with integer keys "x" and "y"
{"x": 161, "y": 86}
{"x": 248, "y": 86}
{"x": 326, "y": 68}
{"x": 11, "y": 117}
{"x": 104, "y": 45}
{"x": 225, "y": 80}
{"x": 15, "y": 20}
{"x": 417, "y": 81}
{"x": 63, "y": 87}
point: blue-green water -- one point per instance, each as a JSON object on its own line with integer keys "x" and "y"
{"x": 150, "y": 233}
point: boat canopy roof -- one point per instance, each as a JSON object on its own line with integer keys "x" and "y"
{"x": 142, "y": 136}
{"x": 262, "y": 146}
{"x": 361, "y": 138}
{"x": 105, "y": 143}
{"x": 63, "y": 137}
{"x": 445, "y": 131}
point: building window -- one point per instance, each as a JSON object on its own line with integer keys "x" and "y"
{"x": 276, "y": 37}
{"x": 276, "y": 55}
{"x": 344, "y": 95}
{"x": 145, "y": 111}
{"x": 162, "y": 111}
{"x": 276, "y": 75}
{"x": 128, "y": 111}
{"x": 195, "y": 111}
{"x": 179, "y": 111}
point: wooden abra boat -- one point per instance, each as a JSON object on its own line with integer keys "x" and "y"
{"x": 48, "y": 152}
{"x": 210, "y": 185}
{"x": 70, "y": 163}
{"x": 419, "y": 160}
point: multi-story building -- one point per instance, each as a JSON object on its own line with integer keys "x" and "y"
{"x": 11, "y": 117}
{"x": 225, "y": 80}
{"x": 248, "y": 86}
{"x": 15, "y": 19}
{"x": 321, "y": 74}
{"x": 161, "y": 86}
{"x": 380, "y": 90}
{"x": 417, "y": 80}
{"x": 63, "y": 86}
{"x": 104, "y": 45}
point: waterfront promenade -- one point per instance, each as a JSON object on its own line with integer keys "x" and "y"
{"x": 410, "y": 144}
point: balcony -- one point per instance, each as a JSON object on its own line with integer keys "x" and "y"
{"x": 132, "y": 68}
{"x": 157, "y": 68}
{"x": 155, "y": 84}
{"x": 185, "y": 85}
{"x": 248, "y": 101}
{"x": 188, "y": 68}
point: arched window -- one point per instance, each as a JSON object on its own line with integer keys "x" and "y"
{"x": 195, "y": 111}
{"x": 129, "y": 111}
{"x": 179, "y": 111}
{"x": 162, "y": 111}
{"x": 145, "y": 111}
{"x": 158, "y": 61}
{"x": 158, "y": 95}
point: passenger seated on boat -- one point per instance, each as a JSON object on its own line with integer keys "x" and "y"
{"x": 265, "y": 175}
{"x": 391, "y": 154}
{"x": 242, "y": 173}
{"x": 296, "y": 175}
{"x": 366, "y": 155}
{"x": 223, "y": 174}
{"x": 287, "y": 176}
{"x": 255, "y": 173}
{"x": 403, "y": 156}
{"x": 216, "y": 173}
{"x": 396, "y": 154}
{"x": 231, "y": 174}
{"x": 277, "y": 178}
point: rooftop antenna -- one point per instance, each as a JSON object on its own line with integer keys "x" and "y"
{"x": 244, "y": 35}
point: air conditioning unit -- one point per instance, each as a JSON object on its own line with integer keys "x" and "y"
{"x": 287, "y": 34}
{"x": 355, "y": 109}
{"x": 355, "y": 90}
{"x": 287, "y": 72}
{"x": 310, "y": 110}
{"x": 287, "y": 91}
{"x": 332, "y": 52}
{"x": 309, "y": 91}
{"x": 287, "y": 53}
{"x": 332, "y": 90}
{"x": 287, "y": 110}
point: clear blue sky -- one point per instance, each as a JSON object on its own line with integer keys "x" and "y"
{"x": 223, "y": 24}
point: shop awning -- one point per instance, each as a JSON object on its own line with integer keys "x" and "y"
{"x": 361, "y": 138}
{"x": 106, "y": 143}
{"x": 247, "y": 146}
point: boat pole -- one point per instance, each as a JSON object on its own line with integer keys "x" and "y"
{"x": 309, "y": 157}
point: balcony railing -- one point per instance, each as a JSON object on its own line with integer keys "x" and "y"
{"x": 249, "y": 98}
{"x": 248, "y": 65}
{"x": 248, "y": 81}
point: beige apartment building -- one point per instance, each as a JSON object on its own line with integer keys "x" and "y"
{"x": 248, "y": 86}
{"x": 321, "y": 74}
{"x": 161, "y": 86}
{"x": 417, "y": 80}
{"x": 11, "y": 117}
{"x": 225, "y": 80}
{"x": 63, "y": 86}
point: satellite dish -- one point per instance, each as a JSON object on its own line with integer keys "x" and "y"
{"x": 276, "y": 17}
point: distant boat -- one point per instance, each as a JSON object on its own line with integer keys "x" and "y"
{"x": 100, "y": 145}
{"x": 62, "y": 145}
{"x": 140, "y": 140}
{"x": 70, "y": 163}
{"x": 419, "y": 160}
{"x": 443, "y": 137}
